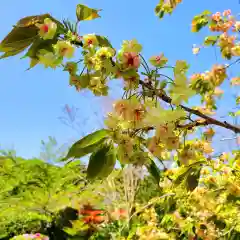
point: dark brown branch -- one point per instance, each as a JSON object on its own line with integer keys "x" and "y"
{"x": 208, "y": 120}
{"x": 190, "y": 126}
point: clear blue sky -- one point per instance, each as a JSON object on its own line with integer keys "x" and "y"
{"x": 31, "y": 101}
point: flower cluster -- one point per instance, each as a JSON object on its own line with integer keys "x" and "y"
{"x": 222, "y": 22}
{"x": 36, "y": 236}
{"x": 165, "y": 138}
{"x": 225, "y": 24}
{"x": 59, "y": 50}
{"x": 207, "y": 84}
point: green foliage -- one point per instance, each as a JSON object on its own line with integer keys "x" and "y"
{"x": 33, "y": 192}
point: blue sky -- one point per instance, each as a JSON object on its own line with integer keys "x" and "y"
{"x": 32, "y": 101}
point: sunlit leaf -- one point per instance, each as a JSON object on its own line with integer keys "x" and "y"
{"x": 103, "y": 41}
{"x": 12, "y": 53}
{"x": 85, "y": 13}
{"x": 87, "y": 144}
{"x": 210, "y": 40}
{"x": 93, "y": 138}
{"x": 190, "y": 173}
{"x": 32, "y": 20}
{"x": 166, "y": 7}
{"x": 181, "y": 67}
{"x": 200, "y": 21}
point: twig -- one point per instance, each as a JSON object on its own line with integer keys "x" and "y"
{"x": 209, "y": 120}
{"x": 193, "y": 124}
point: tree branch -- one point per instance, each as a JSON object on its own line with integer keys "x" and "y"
{"x": 191, "y": 125}
{"x": 208, "y": 120}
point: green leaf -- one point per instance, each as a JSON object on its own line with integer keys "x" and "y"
{"x": 85, "y": 13}
{"x": 39, "y": 44}
{"x": 32, "y": 20}
{"x": 181, "y": 67}
{"x": 87, "y": 144}
{"x": 193, "y": 178}
{"x": 18, "y": 39}
{"x": 84, "y": 80}
{"x": 103, "y": 41}
{"x": 101, "y": 162}
{"x": 163, "y": 84}
{"x": 161, "y": 14}
{"x": 231, "y": 114}
{"x": 23, "y": 34}
{"x": 12, "y": 53}
{"x": 75, "y": 152}
{"x": 92, "y": 138}
{"x": 200, "y": 21}
{"x": 182, "y": 176}
{"x": 187, "y": 171}
{"x": 206, "y": 12}
{"x": 154, "y": 171}
{"x": 237, "y": 113}
{"x": 210, "y": 40}
{"x": 33, "y": 63}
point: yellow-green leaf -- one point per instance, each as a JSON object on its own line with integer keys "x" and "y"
{"x": 33, "y": 63}
{"x": 85, "y": 13}
{"x": 18, "y": 38}
{"x": 12, "y": 53}
{"x": 32, "y": 20}
{"x": 103, "y": 41}
{"x": 210, "y": 40}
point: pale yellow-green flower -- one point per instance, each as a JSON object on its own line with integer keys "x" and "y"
{"x": 195, "y": 49}
{"x": 64, "y": 49}
{"x": 90, "y": 40}
{"x": 104, "y": 53}
{"x": 48, "y": 29}
{"x": 180, "y": 91}
{"x": 49, "y": 59}
{"x": 131, "y": 46}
